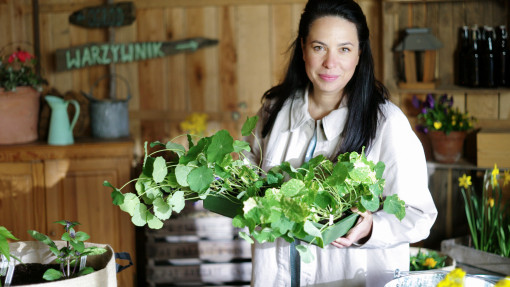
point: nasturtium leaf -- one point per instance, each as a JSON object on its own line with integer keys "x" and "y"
{"x": 156, "y": 143}
{"x": 162, "y": 210}
{"x": 190, "y": 141}
{"x": 283, "y": 224}
{"x": 200, "y": 179}
{"x": 151, "y": 194}
{"x": 338, "y": 175}
{"x": 239, "y": 146}
{"x": 177, "y": 201}
{"x": 181, "y": 174}
{"x": 249, "y": 125}
{"x": 148, "y": 166}
{"x": 274, "y": 178}
{"x": 246, "y": 237}
{"x": 312, "y": 229}
{"x": 238, "y": 221}
{"x": 379, "y": 169}
{"x": 139, "y": 217}
{"x": 193, "y": 152}
{"x": 292, "y": 187}
{"x": 221, "y": 172}
{"x": 117, "y": 197}
{"x": 221, "y": 144}
{"x": 323, "y": 199}
{"x": 52, "y": 274}
{"x": 290, "y": 170}
{"x": 370, "y": 202}
{"x": 153, "y": 222}
{"x": 177, "y": 148}
{"x": 305, "y": 253}
{"x": 160, "y": 170}
{"x": 375, "y": 189}
{"x": 394, "y": 205}
{"x": 295, "y": 210}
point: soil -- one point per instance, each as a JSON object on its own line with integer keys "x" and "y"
{"x": 30, "y": 273}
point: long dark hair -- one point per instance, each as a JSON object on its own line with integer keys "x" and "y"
{"x": 364, "y": 93}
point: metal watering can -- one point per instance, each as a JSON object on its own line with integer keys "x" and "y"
{"x": 61, "y": 131}
{"x": 109, "y": 118}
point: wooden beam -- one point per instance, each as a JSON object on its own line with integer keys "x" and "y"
{"x": 56, "y": 6}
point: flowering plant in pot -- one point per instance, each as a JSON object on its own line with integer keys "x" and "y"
{"x": 488, "y": 218}
{"x": 20, "y": 87}
{"x": 445, "y": 125}
{"x": 312, "y": 202}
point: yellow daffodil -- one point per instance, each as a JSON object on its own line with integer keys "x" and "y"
{"x": 507, "y": 177}
{"x": 461, "y": 124}
{"x": 437, "y": 125}
{"x": 490, "y": 202}
{"x": 195, "y": 124}
{"x": 430, "y": 262}
{"x": 495, "y": 174}
{"x": 465, "y": 181}
{"x": 505, "y": 282}
{"x": 453, "y": 123}
{"x": 453, "y": 279}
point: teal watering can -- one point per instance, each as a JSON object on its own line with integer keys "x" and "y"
{"x": 61, "y": 131}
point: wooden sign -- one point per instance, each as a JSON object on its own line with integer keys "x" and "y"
{"x": 110, "y": 15}
{"x": 107, "y": 53}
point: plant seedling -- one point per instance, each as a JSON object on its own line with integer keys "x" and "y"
{"x": 70, "y": 255}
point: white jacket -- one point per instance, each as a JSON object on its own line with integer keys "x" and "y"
{"x": 370, "y": 264}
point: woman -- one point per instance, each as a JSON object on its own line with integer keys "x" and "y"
{"x": 330, "y": 103}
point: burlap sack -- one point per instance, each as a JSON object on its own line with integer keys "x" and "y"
{"x": 38, "y": 252}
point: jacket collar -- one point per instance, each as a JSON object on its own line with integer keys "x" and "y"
{"x": 332, "y": 124}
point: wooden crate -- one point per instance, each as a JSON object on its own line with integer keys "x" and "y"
{"x": 493, "y": 147}
{"x": 475, "y": 261}
{"x": 204, "y": 250}
{"x": 215, "y": 273}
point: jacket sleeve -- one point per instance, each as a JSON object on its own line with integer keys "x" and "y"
{"x": 405, "y": 175}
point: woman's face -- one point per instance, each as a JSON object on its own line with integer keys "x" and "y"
{"x": 331, "y": 53}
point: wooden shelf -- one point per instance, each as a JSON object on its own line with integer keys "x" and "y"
{"x": 453, "y": 89}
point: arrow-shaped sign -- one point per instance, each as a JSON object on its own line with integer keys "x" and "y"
{"x": 107, "y": 53}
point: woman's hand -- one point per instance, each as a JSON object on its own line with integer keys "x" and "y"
{"x": 359, "y": 233}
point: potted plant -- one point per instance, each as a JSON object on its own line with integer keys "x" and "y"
{"x": 318, "y": 195}
{"x": 445, "y": 126}
{"x": 20, "y": 88}
{"x": 428, "y": 259}
{"x": 488, "y": 246}
{"x": 69, "y": 262}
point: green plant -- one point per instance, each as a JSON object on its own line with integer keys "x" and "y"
{"x": 439, "y": 115}
{"x": 318, "y": 191}
{"x": 487, "y": 215}
{"x": 68, "y": 256}
{"x": 4, "y": 246}
{"x": 426, "y": 261}
{"x": 18, "y": 69}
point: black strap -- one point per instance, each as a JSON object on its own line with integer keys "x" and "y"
{"x": 123, "y": 256}
{"x": 295, "y": 265}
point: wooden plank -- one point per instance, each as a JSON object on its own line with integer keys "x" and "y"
{"x": 211, "y": 97}
{"x": 205, "y": 273}
{"x": 209, "y": 250}
{"x": 281, "y": 39}
{"x": 128, "y": 70}
{"x": 81, "y": 78}
{"x": 446, "y": 33}
{"x": 53, "y": 6}
{"x": 228, "y": 59}
{"x": 504, "y": 106}
{"x": 371, "y": 9}
{"x": 61, "y": 39}
{"x": 175, "y": 65}
{"x": 195, "y": 62}
{"x": 483, "y": 106}
{"x": 391, "y": 31}
{"x": 429, "y": 66}
{"x": 254, "y": 54}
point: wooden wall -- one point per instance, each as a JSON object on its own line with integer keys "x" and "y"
{"x": 444, "y": 17}
{"x": 225, "y": 81}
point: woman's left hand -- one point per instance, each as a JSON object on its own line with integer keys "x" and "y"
{"x": 359, "y": 233}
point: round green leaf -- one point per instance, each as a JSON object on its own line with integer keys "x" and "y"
{"x": 160, "y": 170}
{"x": 181, "y": 173}
{"x": 177, "y": 201}
{"x": 52, "y": 274}
{"x": 221, "y": 144}
{"x": 130, "y": 202}
{"x": 162, "y": 210}
{"x": 200, "y": 179}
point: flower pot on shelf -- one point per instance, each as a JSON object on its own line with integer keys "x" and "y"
{"x": 450, "y": 263}
{"x": 38, "y": 252}
{"x": 19, "y": 115}
{"x": 447, "y": 148}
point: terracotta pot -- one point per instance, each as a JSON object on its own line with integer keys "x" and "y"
{"x": 447, "y": 148}
{"x": 19, "y": 115}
